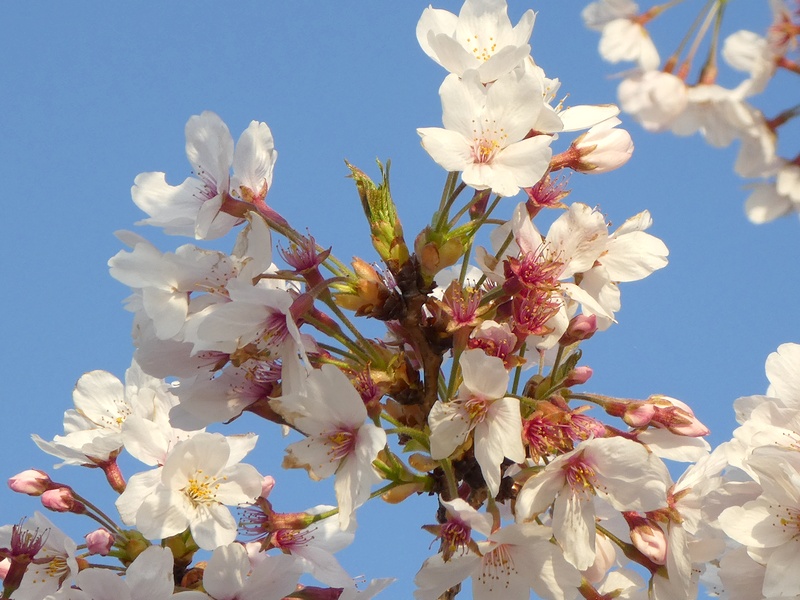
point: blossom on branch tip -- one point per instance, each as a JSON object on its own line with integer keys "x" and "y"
{"x": 481, "y": 37}
{"x": 486, "y": 131}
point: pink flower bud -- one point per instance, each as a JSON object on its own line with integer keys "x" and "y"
{"x": 676, "y": 416}
{"x": 62, "y": 499}
{"x": 32, "y": 482}
{"x": 639, "y": 414}
{"x": 604, "y": 558}
{"x": 581, "y": 327}
{"x": 648, "y": 537}
{"x": 266, "y": 486}
{"x": 99, "y": 541}
{"x": 603, "y": 148}
{"x": 578, "y": 376}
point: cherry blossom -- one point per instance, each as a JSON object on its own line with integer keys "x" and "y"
{"x": 481, "y": 37}
{"x": 486, "y": 131}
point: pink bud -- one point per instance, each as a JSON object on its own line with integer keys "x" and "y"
{"x": 648, "y": 537}
{"x": 578, "y": 376}
{"x": 62, "y": 500}
{"x": 677, "y": 416}
{"x": 99, "y": 541}
{"x": 603, "y": 148}
{"x": 266, "y": 486}
{"x": 581, "y": 327}
{"x": 604, "y": 558}
{"x": 32, "y": 482}
{"x": 5, "y": 566}
{"x": 639, "y": 414}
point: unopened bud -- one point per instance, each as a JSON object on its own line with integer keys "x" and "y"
{"x": 676, "y": 416}
{"x": 397, "y": 494}
{"x": 266, "y": 486}
{"x": 99, "y": 541}
{"x": 648, "y": 537}
{"x": 32, "y": 482}
{"x": 62, "y": 500}
{"x": 581, "y": 327}
{"x": 578, "y": 376}
{"x": 436, "y": 251}
{"x": 603, "y": 148}
{"x": 639, "y": 414}
{"x": 604, "y": 558}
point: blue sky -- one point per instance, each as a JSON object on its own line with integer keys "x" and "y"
{"x": 96, "y": 93}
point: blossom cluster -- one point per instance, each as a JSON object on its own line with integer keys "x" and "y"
{"x": 662, "y": 98}
{"x": 472, "y": 404}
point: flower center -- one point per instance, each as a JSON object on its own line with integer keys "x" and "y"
{"x": 477, "y": 409}
{"x": 482, "y": 50}
{"x": 342, "y": 442}
{"x": 201, "y": 489}
{"x": 498, "y": 568}
{"x": 580, "y": 475}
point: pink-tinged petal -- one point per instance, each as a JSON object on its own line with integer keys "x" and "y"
{"x": 480, "y": 522}
{"x": 167, "y": 309}
{"x": 238, "y": 484}
{"x": 254, "y": 158}
{"x": 484, "y": 375}
{"x": 355, "y": 476}
{"x": 449, "y": 428}
{"x": 209, "y": 148}
{"x": 163, "y": 513}
{"x": 139, "y": 487}
{"x": 628, "y": 476}
{"x": 99, "y": 584}
{"x": 150, "y": 575}
{"x": 94, "y": 392}
{"x": 538, "y": 493}
{"x": 272, "y": 579}
{"x": 436, "y": 576}
{"x": 212, "y": 525}
{"x": 449, "y": 149}
{"x": 573, "y": 525}
{"x": 211, "y": 223}
{"x": 226, "y": 571}
{"x": 174, "y": 208}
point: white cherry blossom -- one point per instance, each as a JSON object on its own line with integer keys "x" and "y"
{"x": 194, "y": 207}
{"x": 200, "y": 476}
{"x": 481, "y": 405}
{"x": 481, "y": 37}
{"x": 330, "y": 412}
{"x": 485, "y": 132}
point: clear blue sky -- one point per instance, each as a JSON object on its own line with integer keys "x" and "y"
{"x": 95, "y": 93}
